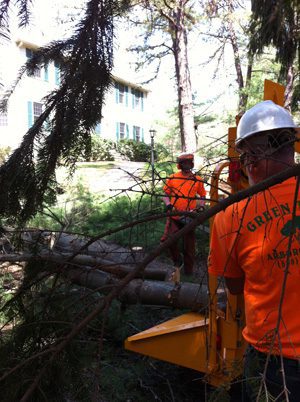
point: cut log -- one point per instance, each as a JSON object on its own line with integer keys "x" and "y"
{"x": 108, "y": 257}
{"x": 180, "y": 295}
{"x": 84, "y": 264}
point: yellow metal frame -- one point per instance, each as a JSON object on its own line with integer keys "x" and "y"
{"x": 213, "y": 346}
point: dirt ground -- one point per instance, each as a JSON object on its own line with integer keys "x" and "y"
{"x": 117, "y": 177}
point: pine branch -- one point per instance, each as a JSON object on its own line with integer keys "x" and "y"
{"x": 28, "y": 177}
{"x": 24, "y": 12}
{"x": 4, "y": 10}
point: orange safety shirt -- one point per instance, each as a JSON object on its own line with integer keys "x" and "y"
{"x": 251, "y": 239}
{"x": 182, "y": 189}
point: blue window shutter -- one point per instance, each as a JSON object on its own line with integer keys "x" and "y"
{"x": 28, "y": 53}
{"x": 133, "y": 132}
{"x": 117, "y": 92}
{"x": 30, "y": 113}
{"x": 98, "y": 129}
{"x": 117, "y": 131}
{"x": 47, "y": 124}
{"x": 133, "y": 97}
{"x": 142, "y": 101}
{"x": 127, "y": 131}
{"x": 142, "y": 134}
{"x": 56, "y": 74}
{"x": 46, "y": 73}
{"x": 126, "y": 95}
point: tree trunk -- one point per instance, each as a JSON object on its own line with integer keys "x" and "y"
{"x": 154, "y": 292}
{"x": 182, "y": 295}
{"x": 237, "y": 62}
{"x": 184, "y": 88}
{"x": 289, "y": 87}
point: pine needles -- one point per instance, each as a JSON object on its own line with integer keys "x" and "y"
{"x": 27, "y": 179}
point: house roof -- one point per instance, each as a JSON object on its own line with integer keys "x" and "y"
{"x": 131, "y": 84}
{"x": 24, "y": 43}
{"x": 30, "y": 45}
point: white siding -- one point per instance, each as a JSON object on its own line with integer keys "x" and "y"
{"x": 34, "y": 89}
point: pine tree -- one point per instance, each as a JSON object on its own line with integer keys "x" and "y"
{"x": 62, "y": 133}
{"x": 276, "y": 23}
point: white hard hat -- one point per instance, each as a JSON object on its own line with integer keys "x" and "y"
{"x": 264, "y": 116}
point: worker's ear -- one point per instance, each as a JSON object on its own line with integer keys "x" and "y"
{"x": 253, "y": 170}
{"x": 250, "y": 168}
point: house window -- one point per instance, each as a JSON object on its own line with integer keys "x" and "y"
{"x": 122, "y": 131}
{"x": 137, "y": 133}
{"x": 137, "y": 99}
{"x": 37, "y": 110}
{"x": 34, "y": 111}
{"x": 121, "y": 93}
{"x": 29, "y": 54}
{"x": 3, "y": 119}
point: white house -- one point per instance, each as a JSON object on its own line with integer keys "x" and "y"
{"x": 125, "y": 112}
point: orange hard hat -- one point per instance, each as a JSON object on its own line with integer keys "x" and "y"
{"x": 184, "y": 157}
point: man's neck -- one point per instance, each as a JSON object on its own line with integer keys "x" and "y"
{"x": 186, "y": 172}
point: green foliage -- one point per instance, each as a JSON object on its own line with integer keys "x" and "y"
{"x": 265, "y": 68}
{"x": 101, "y": 149}
{"x": 202, "y": 119}
{"x": 43, "y": 313}
{"x": 296, "y": 97}
{"x": 4, "y": 152}
{"x": 216, "y": 150}
{"x": 99, "y": 166}
{"x": 165, "y": 169}
{"x": 47, "y": 308}
{"x": 276, "y": 24}
{"x": 89, "y": 214}
{"x": 161, "y": 153}
{"x": 6, "y": 284}
{"x": 219, "y": 394}
{"x": 134, "y": 151}
{"x": 140, "y": 152}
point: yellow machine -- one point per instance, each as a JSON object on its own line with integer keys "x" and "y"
{"x": 212, "y": 345}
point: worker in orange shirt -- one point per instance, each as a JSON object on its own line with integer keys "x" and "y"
{"x": 255, "y": 245}
{"x": 183, "y": 190}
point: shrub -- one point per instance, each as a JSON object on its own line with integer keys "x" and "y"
{"x": 101, "y": 149}
{"x": 134, "y": 151}
{"x": 161, "y": 153}
{"x": 4, "y": 152}
{"x": 140, "y": 152}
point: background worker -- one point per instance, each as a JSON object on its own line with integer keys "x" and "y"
{"x": 252, "y": 246}
{"x": 181, "y": 190}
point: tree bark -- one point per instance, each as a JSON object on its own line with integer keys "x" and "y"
{"x": 237, "y": 61}
{"x": 183, "y": 79}
{"x": 289, "y": 87}
{"x": 84, "y": 270}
